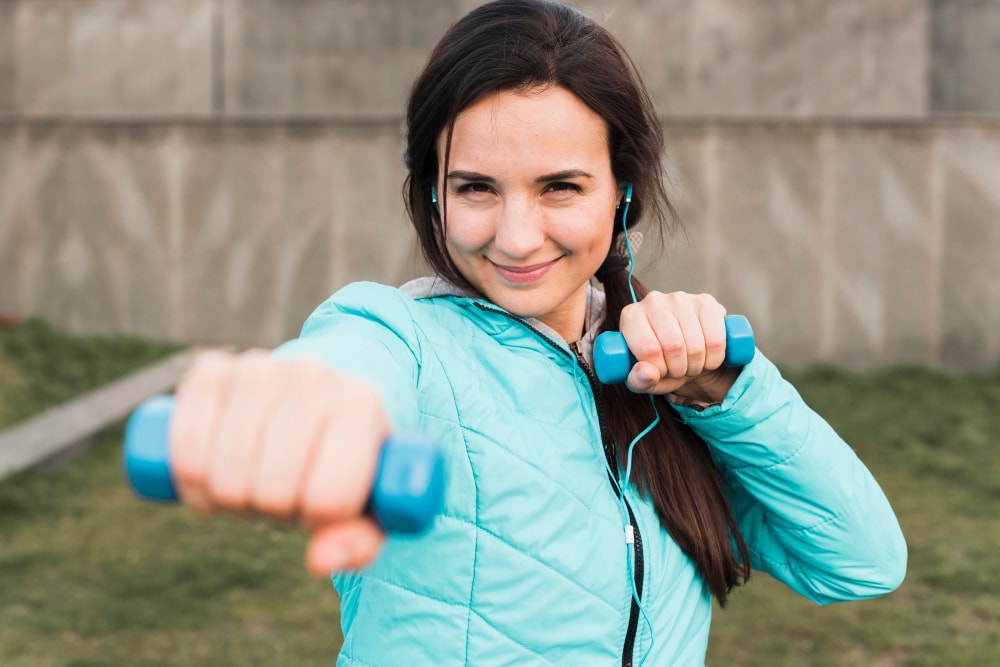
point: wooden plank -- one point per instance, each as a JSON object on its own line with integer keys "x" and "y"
{"x": 57, "y": 430}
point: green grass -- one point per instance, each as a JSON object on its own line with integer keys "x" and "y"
{"x": 89, "y": 576}
{"x": 40, "y": 366}
{"x": 931, "y": 440}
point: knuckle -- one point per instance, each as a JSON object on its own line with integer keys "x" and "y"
{"x": 322, "y": 502}
{"x": 188, "y": 475}
{"x": 253, "y": 369}
{"x": 185, "y": 466}
{"x": 273, "y": 503}
{"x": 208, "y": 369}
{"x": 366, "y": 402}
{"x": 678, "y": 297}
{"x": 708, "y": 303}
{"x": 657, "y": 299}
{"x": 311, "y": 373}
{"x": 229, "y": 496}
{"x": 646, "y": 350}
{"x": 715, "y": 346}
{"x": 674, "y": 347}
{"x": 307, "y": 373}
{"x": 630, "y": 312}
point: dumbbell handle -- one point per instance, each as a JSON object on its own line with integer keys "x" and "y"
{"x": 613, "y": 360}
{"x": 406, "y": 493}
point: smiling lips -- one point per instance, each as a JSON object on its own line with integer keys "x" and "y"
{"x": 523, "y": 275}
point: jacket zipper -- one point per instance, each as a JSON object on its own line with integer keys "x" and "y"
{"x": 609, "y": 453}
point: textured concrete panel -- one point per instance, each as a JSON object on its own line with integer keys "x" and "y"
{"x": 20, "y": 254}
{"x": 909, "y": 207}
{"x": 137, "y": 170}
{"x": 328, "y": 56}
{"x": 374, "y": 239}
{"x": 970, "y": 311}
{"x": 231, "y": 241}
{"x": 684, "y": 263}
{"x": 864, "y": 58}
{"x": 656, "y": 36}
{"x": 346, "y": 57}
{"x": 787, "y": 35}
{"x": 886, "y": 249}
{"x": 112, "y": 57}
{"x": 771, "y": 223}
{"x": 856, "y": 244}
{"x": 965, "y": 71}
{"x": 7, "y": 57}
{"x": 80, "y": 236}
{"x": 79, "y": 244}
{"x": 897, "y": 38}
{"x": 275, "y": 219}
{"x": 205, "y": 233}
{"x": 87, "y": 205}
{"x": 785, "y": 58}
{"x": 720, "y": 39}
{"x": 751, "y": 200}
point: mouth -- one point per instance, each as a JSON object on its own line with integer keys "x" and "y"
{"x": 523, "y": 275}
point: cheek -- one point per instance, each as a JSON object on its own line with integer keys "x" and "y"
{"x": 587, "y": 234}
{"x": 467, "y": 232}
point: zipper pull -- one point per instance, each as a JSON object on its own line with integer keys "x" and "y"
{"x": 578, "y": 351}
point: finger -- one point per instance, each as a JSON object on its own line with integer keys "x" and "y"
{"x": 713, "y": 323}
{"x": 292, "y": 439}
{"x": 339, "y": 478}
{"x": 642, "y": 340}
{"x": 343, "y": 546}
{"x": 241, "y": 430}
{"x": 193, "y": 425}
{"x": 665, "y": 385}
{"x": 643, "y": 377}
{"x": 671, "y": 322}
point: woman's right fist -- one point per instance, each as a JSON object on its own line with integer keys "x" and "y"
{"x": 285, "y": 438}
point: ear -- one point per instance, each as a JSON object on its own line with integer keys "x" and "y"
{"x": 625, "y": 191}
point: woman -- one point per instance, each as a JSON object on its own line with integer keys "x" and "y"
{"x": 531, "y": 145}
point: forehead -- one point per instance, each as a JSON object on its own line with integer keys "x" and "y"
{"x": 539, "y": 129}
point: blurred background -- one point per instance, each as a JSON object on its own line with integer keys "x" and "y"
{"x": 178, "y": 172}
{"x": 211, "y": 170}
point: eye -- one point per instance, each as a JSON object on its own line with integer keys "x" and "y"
{"x": 564, "y": 187}
{"x": 473, "y": 187}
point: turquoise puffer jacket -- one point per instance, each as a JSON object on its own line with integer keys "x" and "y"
{"x": 527, "y": 563}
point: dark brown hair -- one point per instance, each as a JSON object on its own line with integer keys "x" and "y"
{"x": 524, "y": 44}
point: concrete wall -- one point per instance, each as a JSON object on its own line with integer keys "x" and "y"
{"x": 209, "y": 170}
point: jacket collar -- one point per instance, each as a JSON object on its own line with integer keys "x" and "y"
{"x": 435, "y": 286}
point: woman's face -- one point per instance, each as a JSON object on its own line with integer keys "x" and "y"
{"x": 530, "y": 202}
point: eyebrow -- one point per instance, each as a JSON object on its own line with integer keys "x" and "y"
{"x": 565, "y": 175}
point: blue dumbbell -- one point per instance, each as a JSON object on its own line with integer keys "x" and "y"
{"x": 406, "y": 493}
{"x": 613, "y": 360}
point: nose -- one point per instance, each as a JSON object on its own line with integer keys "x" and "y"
{"x": 519, "y": 228}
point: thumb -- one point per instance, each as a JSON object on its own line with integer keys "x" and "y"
{"x": 643, "y": 377}
{"x": 347, "y": 545}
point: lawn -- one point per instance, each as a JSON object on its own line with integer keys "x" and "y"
{"x": 89, "y": 576}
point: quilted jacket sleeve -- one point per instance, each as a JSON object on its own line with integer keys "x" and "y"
{"x": 368, "y": 331}
{"x": 811, "y": 512}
